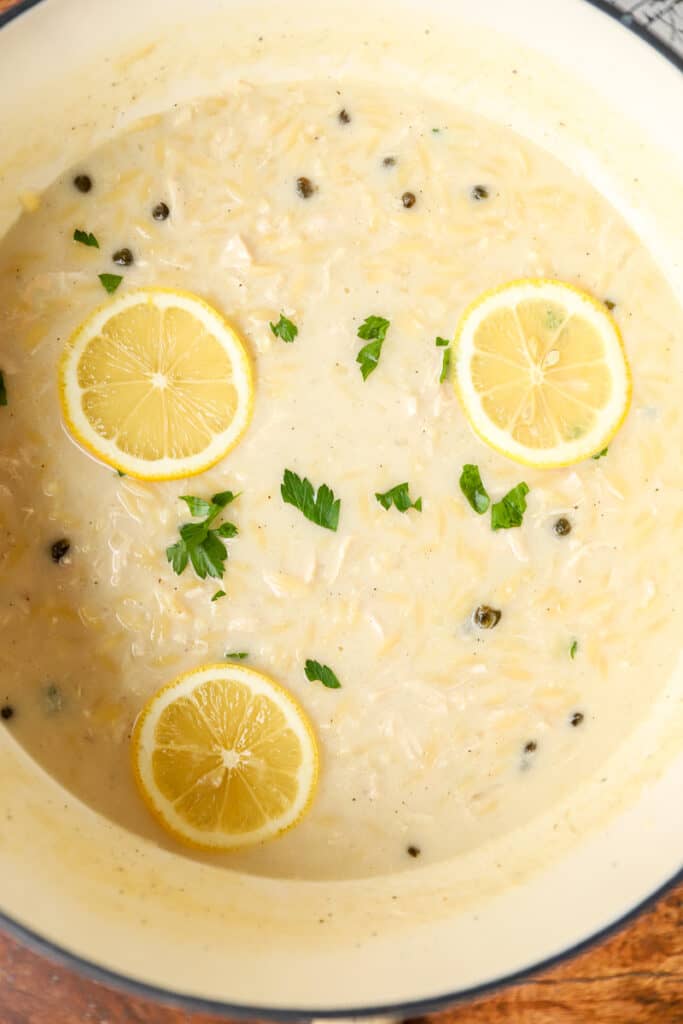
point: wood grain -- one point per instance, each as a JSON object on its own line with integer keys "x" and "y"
{"x": 636, "y": 977}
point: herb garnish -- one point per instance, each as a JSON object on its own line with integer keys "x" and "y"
{"x": 86, "y": 238}
{"x": 509, "y": 511}
{"x": 110, "y": 282}
{"x": 321, "y": 508}
{"x": 199, "y": 544}
{"x": 3, "y": 389}
{"x": 446, "y": 361}
{"x": 218, "y": 594}
{"x": 237, "y": 655}
{"x": 398, "y": 497}
{"x": 573, "y": 648}
{"x": 284, "y": 329}
{"x": 445, "y": 366}
{"x": 599, "y": 455}
{"x": 473, "y": 489}
{"x": 321, "y": 673}
{"x": 374, "y": 331}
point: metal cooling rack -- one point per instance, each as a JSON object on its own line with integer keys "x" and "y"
{"x": 662, "y": 19}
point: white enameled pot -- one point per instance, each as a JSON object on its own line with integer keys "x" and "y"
{"x": 561, "y": 72}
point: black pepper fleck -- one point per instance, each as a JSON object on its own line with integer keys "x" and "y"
{"x": 530, "y": 747}
{"x": 305, "y": 187}
{"x": 576, "y": 719}
{"x": 486, "y": 617}
{"x": 479, "y": 192}
{"x": 60, "y": 549}
{"x": 122, "y": 257}
{"x": 562, "y": 527}
{"x": 389, "y": 161}
{"x": 160, "y": 211}
{"x": 7, "y": 712}
{"x": 408, "y": 199}
{"x": 413, "y": 851}
{"x": 610, "y": 304}
{"x": 83, "y": 182}
{"x": 344, "y": 117}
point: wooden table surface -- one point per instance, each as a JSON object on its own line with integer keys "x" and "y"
{"x": 636, "y": 977}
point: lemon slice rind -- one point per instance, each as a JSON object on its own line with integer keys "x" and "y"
{"x": 143, "y": 746}
{"x": 610, "y": 417}
{"x": 165, "y": 468}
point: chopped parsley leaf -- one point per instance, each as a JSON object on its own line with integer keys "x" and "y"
{"x": 374, "y": 331}
{"x": 284, "y": 329}
{"x": 197, "y": 506}
{"x": 321, "y": 508}
{"x": 599, "y": 455}
{"x": 398, "y": 497}
{"x": 445, "y": 365}
{"x": 473, "y": 489}
{"x": 442, "y": 342}
{"x": 218, "y": 594}
{"x": 237, "y": 655}
{"x": 321, "y": 673}
{"x": 86, "y": 238}
{"x": 199, "y": 544}
{"x": 3, "y": 389}
{"x": 110, "y": 282}
{"x": 573, "y": 648}
{"x": 509, "y": 511}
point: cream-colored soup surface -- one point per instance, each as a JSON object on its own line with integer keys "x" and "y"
{"x": 442, "y": 735}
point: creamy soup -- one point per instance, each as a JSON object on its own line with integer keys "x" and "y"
{"x": 443, "y": 734}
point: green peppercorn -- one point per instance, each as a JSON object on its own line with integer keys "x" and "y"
{"x": 486, "y": 617}
{"x": 305, "y": 187}
{"x": 160, "y": 211}
{"x": 123, "y": 257}
{"x": 60, "y": 549}
{"x": 83, "y": 182}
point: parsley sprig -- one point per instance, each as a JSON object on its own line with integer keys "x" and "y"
{"x": 284, "y": 329}
{"x": 86, "y": 238}
{"x": 110, "y": 282}
{"x": 321, "y": 508}
{"x": 399, "y": 497}
{"x": 445, "y": 344}
{"x": 374, "y": 331}
{"x": 473, "y": 489}
{"x": 199, "y": 544}
{"x": 509, "y": 511}
{"x": 315, "y": 672}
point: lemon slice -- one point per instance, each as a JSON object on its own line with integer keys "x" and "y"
{"x": 224, "y": 757}
{"x": 156, "y": 384}
{"x": 541, "y": 372}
